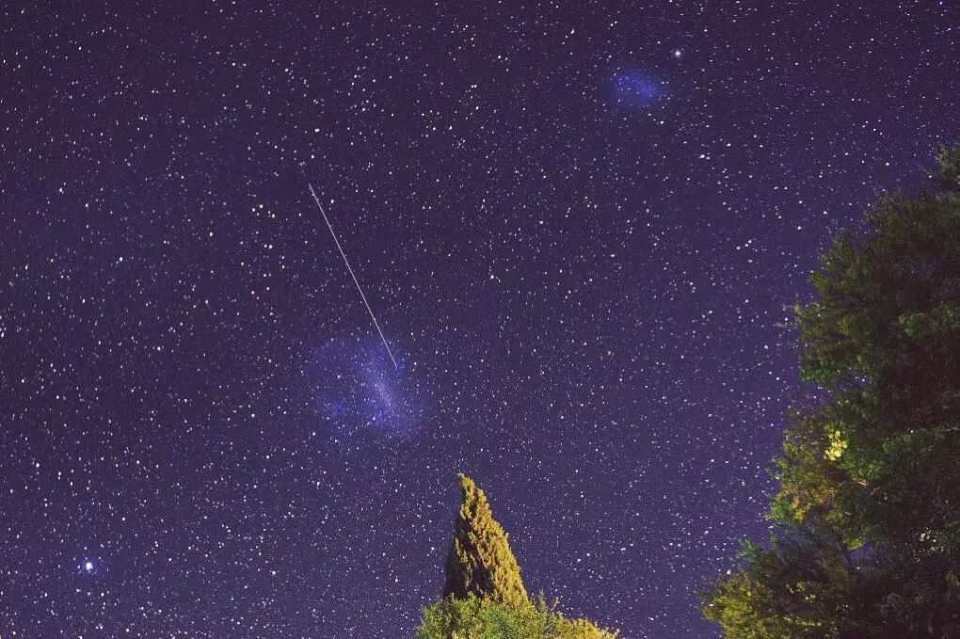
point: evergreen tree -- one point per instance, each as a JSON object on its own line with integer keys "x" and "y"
{"x": 484, "y": 596}
{"x": 870, "y": 479}
{"x": 480, "y": 562}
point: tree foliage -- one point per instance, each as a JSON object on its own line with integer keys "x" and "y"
{"x": 796, "y": 588}
{"x": 484, "y": 596}
{"x": 478, "y": 618}
{"x": 480, "y": 561}
{"x": 869, "y": 479}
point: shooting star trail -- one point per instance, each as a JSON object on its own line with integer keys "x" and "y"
{"x": 376, "y": 324}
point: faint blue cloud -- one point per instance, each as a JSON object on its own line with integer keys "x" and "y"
{"x": 635, "y": 89}
{"x": 355, "y": 388}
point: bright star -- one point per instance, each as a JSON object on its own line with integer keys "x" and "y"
{"x": 88, "y": 566}
{"x": 677, "y": 53}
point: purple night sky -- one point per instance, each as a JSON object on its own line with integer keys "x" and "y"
{"x": 581, "y": 226}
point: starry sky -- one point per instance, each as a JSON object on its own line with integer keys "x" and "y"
{"x": 581, "y": 226}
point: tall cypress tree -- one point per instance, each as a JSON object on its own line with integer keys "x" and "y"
{"x": 480, "y": 560}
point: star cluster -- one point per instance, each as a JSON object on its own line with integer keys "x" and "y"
{"x": 581, "y": 225}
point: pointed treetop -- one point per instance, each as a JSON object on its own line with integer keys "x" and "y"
{"x": 480, "y": 560}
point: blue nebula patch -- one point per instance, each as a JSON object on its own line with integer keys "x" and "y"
{"x": 354, "y": 387}
{"x": 635, "y": 89}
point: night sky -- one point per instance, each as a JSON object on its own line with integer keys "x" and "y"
{"x": 580, "y": 225}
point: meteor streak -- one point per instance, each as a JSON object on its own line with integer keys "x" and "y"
{"x": 376, "y": 324}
